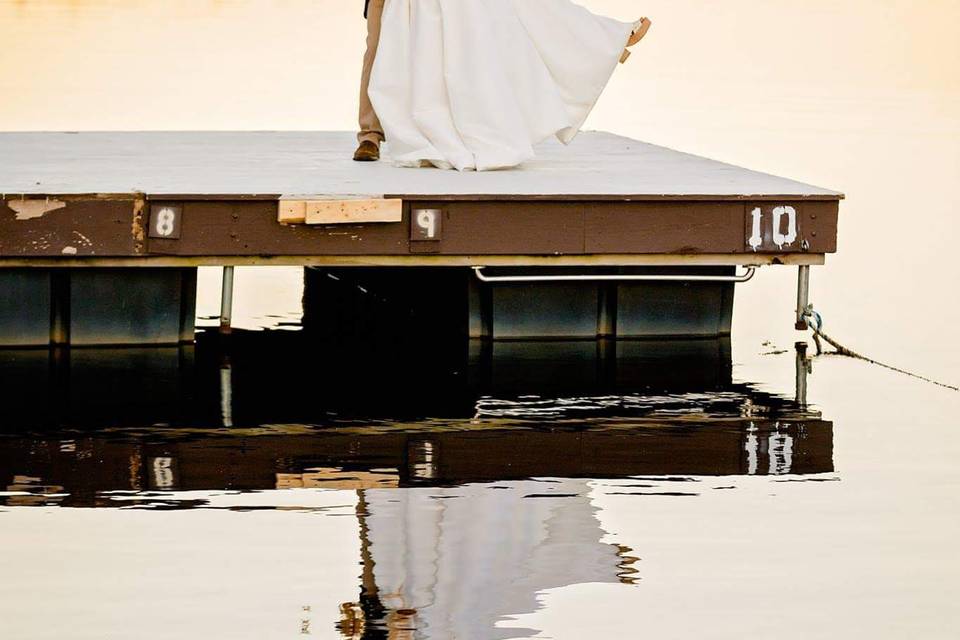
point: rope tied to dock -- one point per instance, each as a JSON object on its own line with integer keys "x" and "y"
{"x": 815, "y": 323}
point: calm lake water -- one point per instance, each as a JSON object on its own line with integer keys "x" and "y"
{"x": 279, "y": 486}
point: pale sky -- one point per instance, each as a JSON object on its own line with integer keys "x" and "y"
{"x": 293, "y": 64}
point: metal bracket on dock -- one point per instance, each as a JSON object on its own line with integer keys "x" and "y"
{"x": 740, "y": 277}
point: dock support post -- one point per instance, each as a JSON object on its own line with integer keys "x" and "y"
{"x": 226, "y": 394}
{"x": 803, "y": 369}
{"x": 226, "y": 300}
{"x": 803, "y": 296}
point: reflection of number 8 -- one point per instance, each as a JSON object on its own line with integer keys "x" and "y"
{"x": 165, "y": 220}
{"x": 780, "y": 239}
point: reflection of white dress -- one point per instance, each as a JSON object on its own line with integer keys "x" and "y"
{"x": 468, "y": 559}
{"x": 474, "y": 84}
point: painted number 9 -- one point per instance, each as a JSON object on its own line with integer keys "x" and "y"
{"x": 427, "y": 222}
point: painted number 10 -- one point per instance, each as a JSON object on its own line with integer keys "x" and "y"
{"x": 781, "y": 237}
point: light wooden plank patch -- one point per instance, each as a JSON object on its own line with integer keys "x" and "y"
{"x": 354, "y": 211}
{"x": 292, "y": 212}
{"x": 350, "y": 211}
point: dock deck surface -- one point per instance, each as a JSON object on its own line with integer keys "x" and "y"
{"x": 597, "y": 166}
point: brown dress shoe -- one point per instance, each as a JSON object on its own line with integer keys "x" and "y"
{"x": 368, "y": 151}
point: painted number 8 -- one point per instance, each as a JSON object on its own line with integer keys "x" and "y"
{"x": 166, "y": 218}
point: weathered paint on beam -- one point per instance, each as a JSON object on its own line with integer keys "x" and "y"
{"x": 70, "y": 227}
{"x": 30, "y": 209}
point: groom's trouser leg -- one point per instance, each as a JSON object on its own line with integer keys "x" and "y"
{"x": 370, "y": 128}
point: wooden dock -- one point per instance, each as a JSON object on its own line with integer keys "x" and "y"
{"x": 187, "y": 199}
{"x": 99, "y": 198}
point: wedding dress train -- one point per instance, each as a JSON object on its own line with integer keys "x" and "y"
{"x": 475, "y": 84}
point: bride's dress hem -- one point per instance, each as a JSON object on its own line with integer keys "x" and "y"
{"x": 477, "y": 84}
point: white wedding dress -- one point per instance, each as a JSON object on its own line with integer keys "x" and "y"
{"x": 475, "y": 84}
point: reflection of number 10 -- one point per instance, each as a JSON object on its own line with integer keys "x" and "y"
{"x": 779, "y": 238}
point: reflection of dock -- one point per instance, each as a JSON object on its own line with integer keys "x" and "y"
{"x": 450, "y": 378}
{"x": 371, "y": 457}
{"x": 450, "y": 417}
